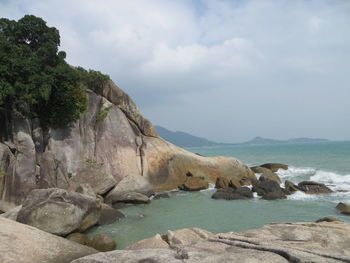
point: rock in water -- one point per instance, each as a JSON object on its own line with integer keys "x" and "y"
{"x": 328, "y": 219}
{"x": 343, "y": 208}
{"x": 274, "y": 167}
{"x": 233, "y": 194}
{"x": 290, "y": 187}
{"x": 59, "y": 212}
{"x": 133, "y": 198}
{"x": 109, "y": 215}
{"x": 103, "y": 243}
{"x": 310, "y": 187}
{"x": 194, "y": 184}
{"x": 79, "y": 238}
{"x": 25, "y": 244}
{"x": 266, "y": 174}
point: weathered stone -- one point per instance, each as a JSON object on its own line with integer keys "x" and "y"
{"x": 222, "y": 182}
{"x": 103, "y": 243}
{"x": 278, "y": 243}
{"x": 266, "y": 174}
{"x": 152, "y": 242}
{"x": 194, "y": 184}
{"x": 343, "y": 208}
{"x": 85, "y": 189}
{"x": 185, "y": 236}
{"x": 310, "y": 187}
{"x": 25, "y": 244}
{"x": 266, "y": 187}
{"x": 109, "y": 215}
{"x": 12, "y": 214}
{"x": 274, "y": 167}
{"x": 274, "y": 195}
{"x": 79, "y": 238}
{"x": 131, "y": 183}
{"x": 59, "y": 212}
{"x": 328, "y": 219}
{"x": 133, "y": 198}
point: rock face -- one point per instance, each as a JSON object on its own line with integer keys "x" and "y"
{"x": 310, "y": 187}
{"x": 25, "y": 244}
{"x": 101, "y": 152}
{"x": 58, "y": 211}
{"x": 274, "y": 243}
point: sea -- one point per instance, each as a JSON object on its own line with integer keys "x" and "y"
{"x": 324, "y": 162}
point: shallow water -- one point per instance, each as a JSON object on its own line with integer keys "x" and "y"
{"x": 323, "y": 162}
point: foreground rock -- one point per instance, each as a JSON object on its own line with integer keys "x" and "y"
{"x": 274, "y": 167}
{"x": 102, "y": 243}
{"x": 194, "y": 184}
{"x": 59, "y": 212}
{"x": 233, "y": 194}
{"x": 310, "y": 187}
{"x": 24, "y": 244}
{"x": 343, "y": 208}
{"x": 274, "y": 243}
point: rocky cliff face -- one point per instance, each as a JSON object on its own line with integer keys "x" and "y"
{"x": 109, "y": 141}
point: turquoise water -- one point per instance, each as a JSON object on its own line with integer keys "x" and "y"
{"x": 327, "y": 162}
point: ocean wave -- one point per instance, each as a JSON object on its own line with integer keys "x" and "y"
{"x": 302, "y": 196}
{"x": 296, "y": 171}
{"x": 333, "y": 180}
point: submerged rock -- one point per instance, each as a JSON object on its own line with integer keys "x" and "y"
{"x": 194, "y": 184}
{"x": 152, "y": 242}
{"x": 311, "y": 187}
{"x": 233, "y": 194}
{"x": 20, "y": 243}
{"x": 103, "y": 243}
{"x": 343, "y": 208}
{"x": 328, "y": 219}
{"x": 59, "y": 212}
{"x": 160, "y": 196}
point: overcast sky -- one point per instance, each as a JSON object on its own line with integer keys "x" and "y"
{"x": 224, "y": 70}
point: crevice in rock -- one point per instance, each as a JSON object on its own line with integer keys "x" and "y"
{"x": 240, "y": 240}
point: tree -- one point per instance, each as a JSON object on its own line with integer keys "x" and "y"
{"x": 35, "y": 80}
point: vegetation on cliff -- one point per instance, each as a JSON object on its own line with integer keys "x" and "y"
{"x": 35, "y": 79}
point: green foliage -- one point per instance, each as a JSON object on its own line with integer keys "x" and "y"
{"x": 35, "y": 80}
{"x": 103, "y": 113}
{"x": 93, "y": 79}
{"x": 2, "y": 172}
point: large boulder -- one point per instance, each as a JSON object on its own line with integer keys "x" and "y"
{"x": 224, "y": 182}
{"x": 109, "y": 215}
{"x": 269, "y": 190}
{"x": 325, "y": 242}
{"x": 131, "y": 183}
{"x": 274, "y": 167}
{"x": 310, "y": 187}
{"x": 59, "y": 212}
{"x": 20, "y": 243}
{"x": 290, "y": 187}
{"x": 153, "y": 242}
{"x": 266, "y": 174}
{"x": 343, "y": 208}
{"x": 79, "y": 238}
{"x": 132, "y": 198}
{"x": 233, "y": 194}
{"x": 194, "y": 184}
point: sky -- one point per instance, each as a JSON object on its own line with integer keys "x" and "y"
{"x": 224, "y": 70}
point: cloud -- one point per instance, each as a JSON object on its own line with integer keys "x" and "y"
{"x": 226, "y": 70}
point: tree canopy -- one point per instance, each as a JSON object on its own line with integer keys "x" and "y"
{"x": 35, "y": 80}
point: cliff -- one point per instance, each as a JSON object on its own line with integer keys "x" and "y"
{"x": 110, "y": 141}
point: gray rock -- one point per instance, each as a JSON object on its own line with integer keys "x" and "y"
{"x": 328, "y": 219}
{"x": 103, "y": 243}
{"x": 310, "y": 187}
{"x": 59, "y": 212}
{"x": 25, "y": 244}
{"x": 160, "y": 196}
{"x": 79, "y": 238}
{"x": 131, "y": 183}
{"x": 343, "y": 208}
{"x": 233, "y": 194}
{"x": 85, "y": 189}
{"x": 290, "y": 187}
{"x": 274, "y": 167}
{"x": 269, "y": 190}
{"x": 109, "y": 215}
{"x": 133, "y": 198}
{"x": 12, "y": 214}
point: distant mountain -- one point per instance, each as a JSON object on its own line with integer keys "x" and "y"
{"x": 183, "y": 139}
{"x": 261, "y": 140}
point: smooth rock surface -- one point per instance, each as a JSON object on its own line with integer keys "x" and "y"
{"x": 12, "y": 214}
{"x": 20, "y": 243}
{"x": 233, "y": 194}
{"x": 103, "y": 243}
{"x": 109, "y": 215}
{"x": 310, "y": 187}
{"x": 133, "y": 198}
{"x": 343, "y": 208}
{"x": 152, "y": 242}
{"x": 325, "y": 242}
{"x": 194, "y": 184}
{"x": 59, "y": 212}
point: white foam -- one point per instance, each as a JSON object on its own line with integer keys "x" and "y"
{"x": 333, "y": 180}
{"x": 302, "y": 196}
{"x": 296, "y": 171}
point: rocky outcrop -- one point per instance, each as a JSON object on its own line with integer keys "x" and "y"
{"x": 59, "y": 212}
{"x": 310, "y": 187}
{"x": 266, "y": 174}
{"x": 25, "y": 244}
{"x": 290, "y": 187}
{"x": 325, "y": 242}
{"x": 269, "y": 190}
{"x": 274, "y": 167}
{"x": 109, "y": 142}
